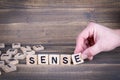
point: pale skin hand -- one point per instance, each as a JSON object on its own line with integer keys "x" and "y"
{"x": 95, "y": 39}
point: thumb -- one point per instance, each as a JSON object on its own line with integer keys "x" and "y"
{"x": 90, "y": 52}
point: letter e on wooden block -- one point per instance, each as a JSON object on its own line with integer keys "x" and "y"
{"x": 42, "y": 59}
{"x": 31, "y": 59}
{"x": 65, "y": 59}
{"x": 54, "y": 59}
{"x": 77, "y": 59}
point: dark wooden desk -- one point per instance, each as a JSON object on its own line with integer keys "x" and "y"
{"x": 59, "y": 21}
{"x": 105, "y": 66}
{"x": 53, "y": 21}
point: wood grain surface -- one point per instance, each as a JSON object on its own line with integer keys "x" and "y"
{"x": 105, "y": 66}
{"x": 53, "y": 21}
{"x": 56, "y": 24}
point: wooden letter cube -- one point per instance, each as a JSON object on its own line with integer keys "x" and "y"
{"x": 2, "y": 63}
{"x": 77, "y": 59}
{"x": 30, "y": 52}
{"x": 20, "y": 56}
{"x": 2, "y": 45}
{"x": 26, "y": 48}
{"x": 16, "y": 45}
{"x": 65, "y": 59}
{"x": 31, "y": 59}
{"x": 54, "y": 59}
{"x": 5, "y": 56}
{"x": 12, "y": 51}
{"x": 42, "y": 59}
{"x": 38, "y": 48}
{"x": 12, "y": 61}
{"x": 9, "y": 68}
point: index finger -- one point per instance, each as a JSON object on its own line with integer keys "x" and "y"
{"x": 80, "y": 42}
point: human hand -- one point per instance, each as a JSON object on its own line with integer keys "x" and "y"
{"x": 95, "y": 39}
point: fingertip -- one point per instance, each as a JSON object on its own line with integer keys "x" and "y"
{"x": 90, "y": 58}
{"x": 84, "y": 56}
{"x": 76, "y": 51}
{"x": 87, "y": 54}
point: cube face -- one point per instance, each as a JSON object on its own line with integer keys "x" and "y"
{"x": 77, "y": 59}
{"x": 16, "y": 45}
{"x": 12, "y": 61}
{"x": 9, "y": 68}
{"x": 20, "y": 56}
{"x": 26, "y": 48}
{"x": 31, "y": 59}
{"x": 6, "y": 56}
{"x": 2, "y": 45}
{"x": 54, "y": 59}
{"x": 43, "y": 59}
{"x": 65, "y": 59}
{"x": 2, "y": 63}
{"x": 12, "y": 51}
{"x": 30, "y": 52}
{"x": 38, "y": 48}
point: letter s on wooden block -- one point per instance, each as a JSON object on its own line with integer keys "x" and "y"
{"x": 43, "y": 59}
{"x": 77, "y": 59}
{"x": 54, "y": 59}
{"x": 65, "y": 59}
{"x": 31, "y": 59}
